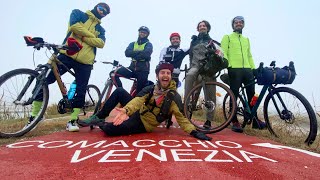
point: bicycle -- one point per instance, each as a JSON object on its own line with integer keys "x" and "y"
{"x": 19, "y": 87}
{"x": 110, "y": 83}
{"x": 197, "y": 105}
{"x": 287, "y": 113}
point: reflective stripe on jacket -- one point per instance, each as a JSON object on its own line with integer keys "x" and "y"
{"x": 137, "y": 47}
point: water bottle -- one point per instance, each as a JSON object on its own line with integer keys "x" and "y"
{"x": 72, "y": 90}
{"x": 254, "y": 100}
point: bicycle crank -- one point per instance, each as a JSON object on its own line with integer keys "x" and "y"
{"x": 64, "y": 106}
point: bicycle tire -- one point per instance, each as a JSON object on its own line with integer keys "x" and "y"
{"x": 243, "y": 118}
{"x": 16, "y": 124}
{"x": 190, "y": 109}
{"x": 105, "y": 94}
{"x": 289, "y": 122}
{"x": 92, "y": 97}
{"x": 107, "y": 89}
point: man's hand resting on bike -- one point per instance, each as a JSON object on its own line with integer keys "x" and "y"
{"x": 200, "y": 135}
{"x": 120, "y": 117}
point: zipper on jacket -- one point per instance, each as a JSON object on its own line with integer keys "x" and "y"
{"x": 241, "y": 52}
{"x": 89, "y": 31}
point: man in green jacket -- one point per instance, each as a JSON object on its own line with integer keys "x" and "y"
{"x": 143, "y": 113}
{"x": 236, "y": 48}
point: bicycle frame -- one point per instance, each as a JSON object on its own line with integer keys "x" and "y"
{"x": 112, "y": 82}
{"x": 264, "y": 90}
{"x": 41, "y": 79}
{"x": 134, "y": 84}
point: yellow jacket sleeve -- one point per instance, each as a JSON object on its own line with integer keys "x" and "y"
{"x": 183, "y": 122}
{"x": 135, "y": 104}
{"x": 79, "y": 29}
{"x": 95, "y": 42}
{"x": 251, "y": 62}
{"x": 225, "y": 46}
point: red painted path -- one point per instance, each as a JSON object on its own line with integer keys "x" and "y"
{"x": 163, "y": 154}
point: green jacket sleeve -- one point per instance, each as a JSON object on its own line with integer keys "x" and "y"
{"x": 225, "y": 46}
{"x": 183, "y": 122}
{"x": 135, "y": 104}
{"x": 94, "y": 42}
{"x": 251, "y": 62}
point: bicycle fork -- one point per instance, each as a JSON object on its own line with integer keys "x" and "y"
{"x": 285, "y": 114}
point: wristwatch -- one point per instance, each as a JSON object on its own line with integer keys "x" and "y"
{"x": 126, "y": 111}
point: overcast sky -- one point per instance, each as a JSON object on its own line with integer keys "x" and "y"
{"x": 284, "y": 31}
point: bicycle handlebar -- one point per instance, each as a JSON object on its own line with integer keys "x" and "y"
{"x": 273, "y": 65}
{"x": 38, "y": 43}
{"x": 114, "y": 63}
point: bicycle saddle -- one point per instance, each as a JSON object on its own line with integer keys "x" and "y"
{"x": 31, "y": 41}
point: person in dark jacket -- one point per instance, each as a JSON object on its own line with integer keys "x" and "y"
{"x": 174, "y": 55}
{"x": 140, "y": 53}
{"x": 141, "y": 114}
{"x": 198, "y": 51}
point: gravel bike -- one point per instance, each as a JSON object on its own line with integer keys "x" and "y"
{"x": 287, "y": 112}
{"x": 19, "y": 87}
{"x": 198, "y": 107}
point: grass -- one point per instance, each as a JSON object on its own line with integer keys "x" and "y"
{"x": 265, "y": 134}
{"x": 43, "y": 128}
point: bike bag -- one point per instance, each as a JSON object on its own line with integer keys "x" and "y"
{"x": 165, "y": 107}
{"x": 268, "y": 76}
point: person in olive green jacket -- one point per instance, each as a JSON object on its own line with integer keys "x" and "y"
{"x": 236, "y": 48}
{"x": 142, "y": 113}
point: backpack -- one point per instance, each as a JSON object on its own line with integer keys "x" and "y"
{"x": 164, "y": 115}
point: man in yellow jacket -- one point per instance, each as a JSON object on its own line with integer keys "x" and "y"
{"x": 236, "y": 48}
{"x": 86, "y": 29}
{"x": 143, "y": 113}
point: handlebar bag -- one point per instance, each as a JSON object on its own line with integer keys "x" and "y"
{"x": 269, "y": 76}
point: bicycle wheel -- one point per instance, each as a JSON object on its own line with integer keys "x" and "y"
{"x": 103, "y": 96}
{"x": 289, "y": 115}
{"x": 197, "y": 110}
{"x": 16, "y": 91}
{"x": 91, "y": 98}
{"x": 242, "y": 115}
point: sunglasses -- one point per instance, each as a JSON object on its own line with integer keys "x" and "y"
{"x": 104, "y": 10}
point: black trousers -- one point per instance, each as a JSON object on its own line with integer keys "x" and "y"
{"x": 82, "y": 75}
{"x": 141, "y": 76}
{"x": 238, "y": 76}
{"x": 133, "y": 125}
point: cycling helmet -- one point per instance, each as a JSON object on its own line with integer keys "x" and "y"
{"x": 175, "y": 35}
{"x": 164, "y": 65}
{"x": 144, "y": 28}
{"x": 239, "y": 18}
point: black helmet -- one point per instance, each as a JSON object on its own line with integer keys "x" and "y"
{"x": 144, "y": 28}
{"x": 239, "y": 18}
